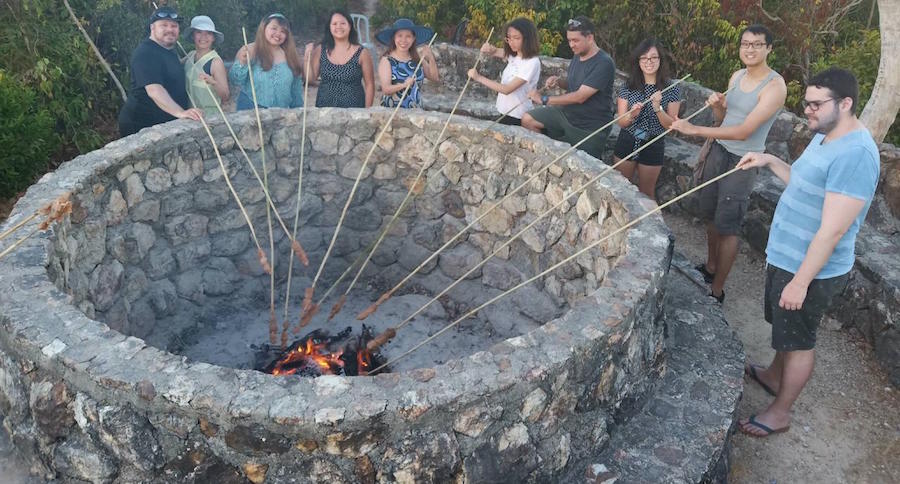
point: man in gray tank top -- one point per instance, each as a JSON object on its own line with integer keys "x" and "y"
{"x": 756, "y": 95}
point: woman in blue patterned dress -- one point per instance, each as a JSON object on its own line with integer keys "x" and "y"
{"x": 344, "y": 67}
{"x": 645, "y": 113}
{"x": 396, "y": 67}
{"x": 277, "y": 67}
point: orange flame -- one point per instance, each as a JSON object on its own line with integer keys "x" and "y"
{"x": 308, "y": 354}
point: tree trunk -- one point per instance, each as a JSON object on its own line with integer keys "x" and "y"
{"x": 881, "y": 110}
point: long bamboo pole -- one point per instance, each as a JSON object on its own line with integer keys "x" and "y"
{"x": 295, "y": 245}
{"x": 550, "y": 269}
{"x": 273, "y": 321}
{"x": 287, "y": 295}
{"x": 391, "y": 332}
{"x": 97, "y": 53}
{"x": 409, "y": 194}
{"x": 310, "y": 309}
{"x": 387, "y": 295}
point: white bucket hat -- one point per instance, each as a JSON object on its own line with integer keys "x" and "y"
{"x": 202, "y": 22}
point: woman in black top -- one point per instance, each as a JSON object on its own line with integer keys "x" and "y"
{"x": 345, "y": 68}
{"x": 649, "y": 113}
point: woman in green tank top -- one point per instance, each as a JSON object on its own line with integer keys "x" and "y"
{"x": 203, "y": 66}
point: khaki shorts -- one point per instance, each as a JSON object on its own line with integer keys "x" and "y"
{"x": 725, "y": 202}
{"x": 558, "y": 127}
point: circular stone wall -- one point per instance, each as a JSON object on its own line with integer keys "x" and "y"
{"x": 157, "y": 259}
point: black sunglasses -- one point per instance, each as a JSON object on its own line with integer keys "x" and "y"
{"x": 171, "y": 15}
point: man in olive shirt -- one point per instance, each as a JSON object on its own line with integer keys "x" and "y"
{"x": 588, "y": 102}
{"x": 157, "y": 92}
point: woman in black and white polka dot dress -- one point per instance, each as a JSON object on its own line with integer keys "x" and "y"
{"x": 344, "y": 69}
{"x": 649, "y": 113}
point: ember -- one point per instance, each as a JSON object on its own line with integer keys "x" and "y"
{"x": 316, "y": 355}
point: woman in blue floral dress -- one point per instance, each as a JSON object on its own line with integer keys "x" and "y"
{"x": 396, "y": 68}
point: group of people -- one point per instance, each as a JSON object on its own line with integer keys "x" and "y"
{"x": 811, "y": 242}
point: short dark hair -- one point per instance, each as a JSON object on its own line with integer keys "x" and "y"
{"x": 581, "y": 24}
{"x": 757, "y": 29}
{"x": 841, "y": 82}
{"x": 530, "y": 45}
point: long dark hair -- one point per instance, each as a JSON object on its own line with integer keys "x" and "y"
{"x": 328, "y": 39}
{"x": 413, "y": 49}
{"x": 530, "y": 45}
{"x": 636, "y": 75}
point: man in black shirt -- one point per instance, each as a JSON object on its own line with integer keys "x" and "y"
{"x": 157, "y": 93}
{"x": 588, "y": 102}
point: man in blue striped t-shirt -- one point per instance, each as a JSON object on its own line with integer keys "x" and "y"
{"x": 811, "y": 241}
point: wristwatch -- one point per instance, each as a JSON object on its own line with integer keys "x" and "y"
{"x": 658, "y": 109}
{"x": 544, "y": 100}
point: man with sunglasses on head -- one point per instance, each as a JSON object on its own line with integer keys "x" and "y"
{"x": 744, "y": 115}
{"x": 157, "y": 93}
{"x": 588, "y": 102}
{"x": 811, "y": 241}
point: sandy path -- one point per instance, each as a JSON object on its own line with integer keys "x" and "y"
{"x": 847, "y": 421}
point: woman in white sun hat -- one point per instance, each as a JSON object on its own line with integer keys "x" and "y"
{"x": 203, "y": 66}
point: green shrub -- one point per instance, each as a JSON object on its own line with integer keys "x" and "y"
{"x": 26, "y": 135}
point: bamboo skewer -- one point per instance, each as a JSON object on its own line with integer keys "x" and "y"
{"x": 263, "y": 261}
{"x": 307, "y": 300}
{"x": 287, "y": 297}
{"x": 295, "y": 245}
{"x": 387, "y": 295}
{"x": 19, "y": 225}
{"x": 549, "y": 270}
{"x": 54, "y": 211}
{"x": 19, "y": 242}
{"x": 375, "y": 343}
{"x": 387, "y": 335}
{"x": 409, "y": 193}
{"x": 273, "y": 321}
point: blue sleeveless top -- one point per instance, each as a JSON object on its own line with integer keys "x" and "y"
{"x": 400, "y": 72}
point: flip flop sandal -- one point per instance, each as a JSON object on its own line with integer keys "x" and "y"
{"x": 765, "y": 428}
{"x": 707, "y": 276}
{"x": 750, "y": 371}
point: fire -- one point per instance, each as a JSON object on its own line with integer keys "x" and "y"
{"x": 313, "y": 355}
{"x": 310, "y": 354}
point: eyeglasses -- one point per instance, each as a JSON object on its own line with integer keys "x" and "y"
{"x": 573, "y": 23}
{"x": 171, "y": 15}
{"x": 754, "y": 45}
{"x": 815, "y": 105}
{"x": 649, "y": 60}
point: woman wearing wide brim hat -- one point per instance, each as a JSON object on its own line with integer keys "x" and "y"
{"x": 203, "y": 67}
{"x": 397, "y": 68}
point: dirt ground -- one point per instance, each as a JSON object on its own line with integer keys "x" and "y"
{"x": 846, "y": 424}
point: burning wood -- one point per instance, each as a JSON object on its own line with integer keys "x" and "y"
{"x": 314, "y": 355}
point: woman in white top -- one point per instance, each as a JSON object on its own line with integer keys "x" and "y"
{"x": 523, "y": 68}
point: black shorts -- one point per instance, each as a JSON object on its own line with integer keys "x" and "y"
{"x": 796, "y": 330}
{"x": 652, "y": 155}
{"x": 725, "y": 202}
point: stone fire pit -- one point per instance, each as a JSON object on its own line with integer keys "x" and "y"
{"x": 127, "y": 335}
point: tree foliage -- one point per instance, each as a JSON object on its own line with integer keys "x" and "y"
{"x": 702, "y": 35}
